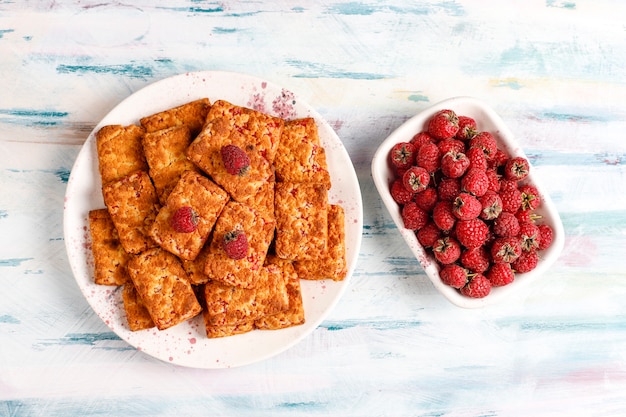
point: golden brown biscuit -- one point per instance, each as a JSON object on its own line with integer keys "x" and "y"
{"x": 262, "y": 131}
{"x": 294, "y": 314}
{"x": 192, "y": 114}
{"x": 205, "y": 198}
{"x": 263, "y": 200}
{"x": 332, "y": 264}
{"x": 162, "y": 284}
{"x": 195, "y": 268}
{"x": 137, "y": 314}
{"x": 133, "y": 205}
{"x": 301, "y": 220}
{"x": 300, "y": 156}
{"x": 165, "y": 153}
{"x": 109, "y": 256}
{"x": 120, "y": 152}
{"x": 205, "y": 152}
{"x": 214, "y": 332}
{"x": 259, "y": 231}
{"x": 227, "y": 305}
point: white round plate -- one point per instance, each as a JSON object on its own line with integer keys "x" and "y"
{"x": 187, "y": 344}
{"x": 487, "y": 120}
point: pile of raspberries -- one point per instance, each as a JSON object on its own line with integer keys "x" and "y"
{"x": 469, "y": 203}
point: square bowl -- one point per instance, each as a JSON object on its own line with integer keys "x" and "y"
{"x": 487, "y": 120}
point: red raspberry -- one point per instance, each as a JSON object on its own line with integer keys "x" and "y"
{"x": 447, "y": 250}
{"x": 428, "y": 235}
{"x": 235, "y": 159}
{"x": 472, "y": 233}
{"x": 547, "y": 236}
{"x": 467, "y": 128}
{"x": 235, "y": 244}
{"x": 530, "y": 197}
{"x": 478, "y": 287}
{"x": 444, "y": 124}
{"x": 477, "y": 158}
{"x": 491, "y": 205}
{"x": 399, "y": 193}
{"x": 506, "y": 249}
{"x": 465, "y": 206}
{"x": 416, "y": 179}
{"x": 475, "y": 181}
{"x": 511, "y": 199}
{"x": 486, "y": 142}
{"x": 530, "y": 235}
{"x": 453, "y": 275}
{"x": 427, "y": 199}
{"x": 421, "y": 138}
{"x": 506, "y": 225}
{"x": 414, "y": 218}
{"x": 499, "y": 159}
{"x": 443, "y": 216}
{"x": 494, "y": 180}
{"x": 500, "y": 274}
{"x": 448, "y": 188}
{"x": 524, "y": 216}
{"x": 402, "y": 155}
{"x": 449, "y": 145}
{"x": 526, "y": 262}
{"x": 516, "y": 168}
{"x": 476, "y": 259}
{"x": 429, "y": 157}
{"x": 454, "y": 164}
{"x": 184, "y": 220}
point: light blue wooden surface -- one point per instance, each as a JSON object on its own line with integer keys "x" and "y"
{"x": 554, "y": 70}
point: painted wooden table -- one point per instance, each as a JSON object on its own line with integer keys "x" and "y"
{"x": 554, "y": 70}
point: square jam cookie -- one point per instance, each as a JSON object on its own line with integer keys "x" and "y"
{"x": 109, "y": 256}
{"x": 206, "y": 200}
{"x": 120, "y": 152}
{"x": 192, "y": 114}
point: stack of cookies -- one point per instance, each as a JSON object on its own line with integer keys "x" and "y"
{"x": 217, "y": 210}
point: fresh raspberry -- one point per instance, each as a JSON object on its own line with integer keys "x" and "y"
{"x": 477, "y": 158}
{"x": 547, "y": 236}
{"x": 500, "y": 274}
{"x": 530, "y": 197}
{"x": 475, "y": 181}
{"x": 524, "y": 216}
{"x": 399, "y": 193}
{"x": 427, "y": 199}
{"x": 476, "y": 259}
{"x": 498, "y": 160}
{"x": 511, "y": 199}
{"x": 494, "y": 179}
{"x": 491, "y": 205}
{"x": 428, "y": 235}
{"x": 478, "y": 287}
{"x": 449, "y": 145}
{"x": 414, "y": 218}
{"x": 448, "y": 188}
{"x": 507, "y": 185}
{"x": 526, "y": 262}
{"x": 402, "y": 155}
{"x": 472, "y": 233}
{"x": 530, "y": 235}
{"x": 443, "y": 216}
{"x": 184, "y": 220}
{"x": 467, "y": 128}
{"x": 506, "y": 225}
{"x": 516, "y": 168}
{"x": 465, "y": 206}
{"x": 416, "y": 179}
{"x": 421, "y": 138}
{"x": 429, "y": 157}
{"x": 235, "y": 244}
{"x": 235, "y": 159}
{"x": 453, "y": 275}
{"x": 486, "y": 142}
{"x": 506, "y": 249}
{"x": 454, "y": 164}
{"x": 444, "y": 124}
{"x": 447, "y": 250}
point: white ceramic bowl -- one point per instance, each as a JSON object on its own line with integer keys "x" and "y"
{"x": 487, "y": 120}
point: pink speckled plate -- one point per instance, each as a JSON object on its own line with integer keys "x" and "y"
{"x": 187, "y": 344}
{"x": 487, "y": 120}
